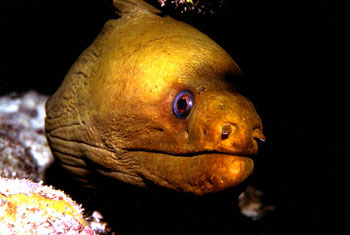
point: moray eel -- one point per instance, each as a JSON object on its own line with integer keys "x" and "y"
{"x": 151, "y": 100}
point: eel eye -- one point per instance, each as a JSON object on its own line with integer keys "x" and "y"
{"x": 183, "y": 103}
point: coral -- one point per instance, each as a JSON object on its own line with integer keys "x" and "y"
{"x": 200, "y": 7}
{"x": 32, "y": 208}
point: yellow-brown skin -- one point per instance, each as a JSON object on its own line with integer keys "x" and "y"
{"x": 114, "y": 110}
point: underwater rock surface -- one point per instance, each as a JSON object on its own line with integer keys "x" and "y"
{"x": 24, "y": 152}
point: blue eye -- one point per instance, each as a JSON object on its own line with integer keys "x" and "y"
{"x": 183, "y": 104}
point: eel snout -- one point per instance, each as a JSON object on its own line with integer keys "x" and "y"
{"x": 225, "y": 123}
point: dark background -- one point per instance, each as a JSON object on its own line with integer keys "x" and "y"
{"x": 295, "y": 57}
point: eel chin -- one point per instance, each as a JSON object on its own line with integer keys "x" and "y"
{"x": 200, "y": 174}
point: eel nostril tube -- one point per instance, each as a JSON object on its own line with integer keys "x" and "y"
{"x": 225, "y": 131}
{"x": 258, "y": 135}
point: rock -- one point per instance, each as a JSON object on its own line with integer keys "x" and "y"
{"x": 251, "y": 204}
{"x": 24, "y": 152}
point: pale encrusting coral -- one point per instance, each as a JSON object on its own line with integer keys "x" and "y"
{"x": 32, "y": 208}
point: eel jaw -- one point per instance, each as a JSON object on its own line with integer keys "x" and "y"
{"x": 200, "y": 174}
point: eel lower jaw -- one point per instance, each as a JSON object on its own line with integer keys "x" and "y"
{"x": 200, "y": 174}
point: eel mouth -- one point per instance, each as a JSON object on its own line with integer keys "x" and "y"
{"x": 198, "y": 174}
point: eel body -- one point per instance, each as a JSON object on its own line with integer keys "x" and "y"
{"x": 151, "y": 100}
